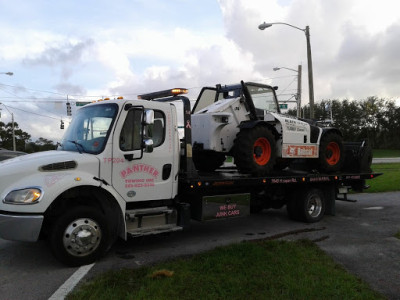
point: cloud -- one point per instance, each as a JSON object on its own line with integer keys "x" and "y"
{"x": 150, "y": 46}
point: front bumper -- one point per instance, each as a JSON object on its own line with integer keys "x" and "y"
{"x": 24, "y": 228}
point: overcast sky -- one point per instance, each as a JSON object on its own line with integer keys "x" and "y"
{"x": 97, "y": 48}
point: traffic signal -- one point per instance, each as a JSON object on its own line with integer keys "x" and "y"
{"x": 69, "y": 109}
{"x": 62, "y": 124}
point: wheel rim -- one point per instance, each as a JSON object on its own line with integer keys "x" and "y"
{"x": 314, "y": 206}
{"x": 262, "y": 151}
{"x": 332, "y": 153}
{"x": 82, "y": 237}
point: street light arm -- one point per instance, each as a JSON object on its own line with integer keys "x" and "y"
{"x": 266, "y": 25}
{"x": 278, "y": 68}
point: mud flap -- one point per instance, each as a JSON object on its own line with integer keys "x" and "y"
{"x": 330, "y": 200}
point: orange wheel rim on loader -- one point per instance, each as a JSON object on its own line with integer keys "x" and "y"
{"x": 332, "y": 153}
{"x": 262, "y": 151}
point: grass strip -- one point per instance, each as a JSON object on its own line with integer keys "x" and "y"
{"x": 248, "y": 270}
{"x": 389, "y": 181}
{"x": 382, "y": 153}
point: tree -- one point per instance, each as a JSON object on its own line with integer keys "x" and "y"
{"x": 374, "y": 119}
{"x": 6, "y": 136}
{"x": 41, "y": 144}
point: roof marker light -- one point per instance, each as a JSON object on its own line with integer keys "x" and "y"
{"x": 163, "y": 94}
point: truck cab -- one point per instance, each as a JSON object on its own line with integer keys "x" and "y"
{"x": 118, "y": 160}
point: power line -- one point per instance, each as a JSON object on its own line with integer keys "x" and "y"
{"x": 29, "y": 112}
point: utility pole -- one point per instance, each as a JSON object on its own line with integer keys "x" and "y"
{"x": 13, "y": 128}
{"x": 298, "y": 98}
{"x": 13, "y": 132}
{"x": 12, "y": 115}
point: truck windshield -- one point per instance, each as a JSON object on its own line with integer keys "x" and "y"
{"x": 263, "y": 98}
{"x": 89, "y": 129}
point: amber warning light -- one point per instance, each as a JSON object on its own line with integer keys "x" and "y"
{"x": 163, "y": 94}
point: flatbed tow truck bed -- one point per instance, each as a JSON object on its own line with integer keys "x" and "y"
{"x": 230, "y": 176}
{"x": 208, "y": 192}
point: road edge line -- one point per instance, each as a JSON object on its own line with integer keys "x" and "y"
{"x": 71, "y": 282}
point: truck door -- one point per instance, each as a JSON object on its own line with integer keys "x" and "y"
{"x": 138, "y": 175}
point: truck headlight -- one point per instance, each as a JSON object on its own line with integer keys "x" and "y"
{"x": 23, "y": 196}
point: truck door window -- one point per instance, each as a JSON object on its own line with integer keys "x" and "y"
{"x": 158, "y": 135}
{"x": 131, "y": 133}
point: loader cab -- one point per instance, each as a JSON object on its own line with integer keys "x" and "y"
{"x": 258, "y": 97}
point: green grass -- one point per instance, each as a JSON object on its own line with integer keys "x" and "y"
{"x": 389, "y": 181}
{"x": 397, "y": 235}
{"x": 249, "y": 270}
{"x": 381, "y": 153}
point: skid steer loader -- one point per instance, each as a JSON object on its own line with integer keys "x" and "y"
{"x": 245, "y": 122}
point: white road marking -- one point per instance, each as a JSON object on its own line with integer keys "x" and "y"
{"x": 71, "y": 282}
{"x": 373, "y": 208}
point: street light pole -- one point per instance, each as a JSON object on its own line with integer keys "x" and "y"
{"x": 298, "y": 95}
{"x": 309, "y": 61}
{"x": 310, "y": 73}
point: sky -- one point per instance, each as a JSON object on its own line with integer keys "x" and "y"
{"x": 85, "y": 50}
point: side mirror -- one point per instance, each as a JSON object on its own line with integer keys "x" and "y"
{"x": 148, "y": 117}
{"x": 148, "y": 145}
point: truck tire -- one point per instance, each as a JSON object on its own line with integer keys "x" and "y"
{"x": 80, "y": 236}
{"x": 331, "y": 153}
{"x": 311, "y": 206}
{"x": 207, "y": 160}
{"x": 255, "y": 150}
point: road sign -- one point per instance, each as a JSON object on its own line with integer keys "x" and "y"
{"x": 81, "y": 103}
{"x": 283, "y": 106}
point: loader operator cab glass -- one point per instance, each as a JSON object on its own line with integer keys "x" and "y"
{"x": 89, "y": 129}
{"x": 206, "y": 98}
{"x": 263, "y": 98}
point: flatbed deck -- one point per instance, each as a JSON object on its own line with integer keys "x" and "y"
{"x": 225, "y": 177}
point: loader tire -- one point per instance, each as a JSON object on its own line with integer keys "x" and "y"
{"x": 255, "y": 150}
{"x": 331, "y": 153}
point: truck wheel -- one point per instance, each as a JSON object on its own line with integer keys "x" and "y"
{"x": 255, "y": 150}
{"x": 311, "y": 206}
{"x": 80, "y": 236}
{"x": 207, "y": 160}
{"x": 331, "y": 153}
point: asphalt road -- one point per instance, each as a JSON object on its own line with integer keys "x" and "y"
{"x": 360, "y": 237}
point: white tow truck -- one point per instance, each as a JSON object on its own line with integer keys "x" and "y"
{"x": 122, "y": 170}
